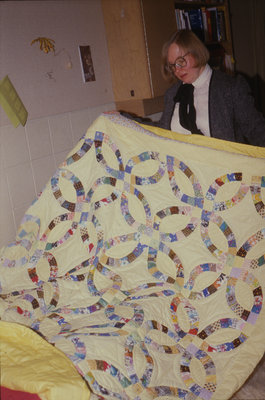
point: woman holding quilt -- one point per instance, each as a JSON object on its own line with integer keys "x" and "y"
{"x": 203, "y": 100}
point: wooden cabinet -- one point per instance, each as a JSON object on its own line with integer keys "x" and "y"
{"x": 136, "y": 31}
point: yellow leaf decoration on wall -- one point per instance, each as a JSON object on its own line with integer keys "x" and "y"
{"x": 46, "y": 44}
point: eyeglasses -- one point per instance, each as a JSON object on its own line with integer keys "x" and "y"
{"x": 180, "y": 62}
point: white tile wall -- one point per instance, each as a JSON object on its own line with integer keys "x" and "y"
{"x": 39, "y": 138}
{"x": 29, "y": 156}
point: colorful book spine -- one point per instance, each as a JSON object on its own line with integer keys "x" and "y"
{"x": 195, "y": 17}
{"x": 213, "y": 17}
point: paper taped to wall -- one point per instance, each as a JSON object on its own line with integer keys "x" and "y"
{"x": 11, "y": 103}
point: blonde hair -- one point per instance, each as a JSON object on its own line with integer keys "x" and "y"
{"x": 188, "y": 42}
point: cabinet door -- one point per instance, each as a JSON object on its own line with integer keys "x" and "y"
{"x": 160, "y": 23}
{"x": 127, "y": 49}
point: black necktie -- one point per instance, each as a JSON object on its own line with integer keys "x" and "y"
{"x": 187, "y": 111}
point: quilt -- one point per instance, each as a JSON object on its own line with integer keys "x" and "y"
{"x": 142, "y": 261}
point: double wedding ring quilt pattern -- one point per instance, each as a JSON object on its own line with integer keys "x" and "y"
{"x": 146, "y": 273}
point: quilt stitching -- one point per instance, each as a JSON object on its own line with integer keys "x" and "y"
{"x": 126, "y": 316}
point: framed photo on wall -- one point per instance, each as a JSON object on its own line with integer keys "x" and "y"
{"x": 86, "y": 64}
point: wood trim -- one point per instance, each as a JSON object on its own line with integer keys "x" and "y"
{"x": 142, "y": 107}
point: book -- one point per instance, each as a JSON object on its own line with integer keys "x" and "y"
{"x": 180, "y": 19}
{"x": 205, "y": 25}
{"x": 221, "y": 23}
{"x": 209, "y": 25}
{"x": 187, "y": 20}
{"x": 196, "y": 23}
{"x": 229, "y": 63}
{"x": 213, "y": 17}
{"x": 183, "y": 26}
{"x": 177, "y": 12}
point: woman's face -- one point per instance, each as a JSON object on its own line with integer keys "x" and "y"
{"x": 189, "y": 72}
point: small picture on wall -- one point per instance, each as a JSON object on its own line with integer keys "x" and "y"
{"x": 87, "y": 64}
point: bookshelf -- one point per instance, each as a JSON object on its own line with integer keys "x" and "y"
{"x": 210, "y": 20}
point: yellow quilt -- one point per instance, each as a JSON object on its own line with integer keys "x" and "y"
{"x": 143, "y": 262}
